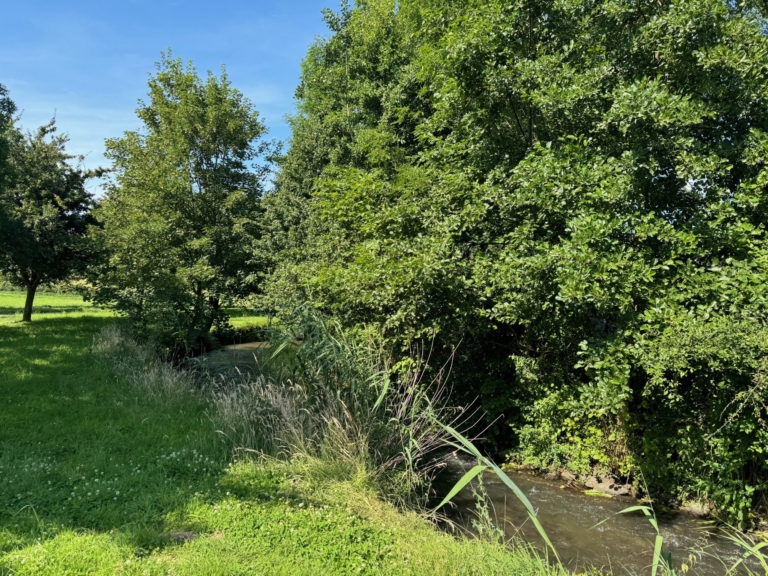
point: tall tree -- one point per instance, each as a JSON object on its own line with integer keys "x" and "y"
{"x": 576, "y": 190}
{"x": 181, "y": 213}
{"x": 7, "y": 111}
{"x": 7, "y": 106}
{"x": 45, "y": 212}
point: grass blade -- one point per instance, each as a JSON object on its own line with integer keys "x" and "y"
{"x": 657, "y": 554}
{"x": 469, "y": 447}
{"x": 750, "y": 550}
{"x": 466, "y": 479}
{"x": 644, "y": 509}
{"x": 382, "y": 395}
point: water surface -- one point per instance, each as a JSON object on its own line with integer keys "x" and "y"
{"x": 623, "y": 544}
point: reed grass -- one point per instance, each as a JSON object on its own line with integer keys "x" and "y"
{"x": 110, "y": 464}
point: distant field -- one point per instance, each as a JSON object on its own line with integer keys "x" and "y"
{"x": 12, "y": 305}
{"x": 242, "y": 318}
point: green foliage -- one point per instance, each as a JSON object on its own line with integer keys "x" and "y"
{"x": 181, "y": 214}
{"x": 7, "y": 106}
{"x": 326, "y": 396}
{"x": 45, "y": 211}
{"x": 574, "y": 190}
{"x": 7, "y": 110}
{"x": 98, "y": 476}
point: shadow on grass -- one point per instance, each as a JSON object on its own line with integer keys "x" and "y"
{"x": 81, "y": 449}
{"x": 95, "y": 475}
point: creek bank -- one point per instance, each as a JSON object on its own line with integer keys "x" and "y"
{"x": 610, "y": 485}
{"x": 607, "y": 484}
{"x": 588, "y": 531}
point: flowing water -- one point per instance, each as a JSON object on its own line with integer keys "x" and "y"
{"x": 235, "y": 357}
{"x": 622, "y": 545}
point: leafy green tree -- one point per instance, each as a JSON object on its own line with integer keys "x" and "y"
{"x": 45, "y": 212}
{"x": 7, "y": 111}
{"x": 575, "y": 190}
{"x": 7, "y": 106}
{"x": 180, "y": 216}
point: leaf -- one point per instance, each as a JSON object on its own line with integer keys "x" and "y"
{"x": 384, "y": 390}
{"x": 657, "y": 554}
{"x": 466, "y": 479}
{"x": 470, "y": 448}
{"x": 644, "y": 509}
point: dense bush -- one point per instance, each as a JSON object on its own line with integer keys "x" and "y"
{"x": 575, "y": 190}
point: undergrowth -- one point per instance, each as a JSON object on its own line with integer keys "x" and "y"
{"x": 111, "y": 463}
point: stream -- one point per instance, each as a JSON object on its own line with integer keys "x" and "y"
{"x": 621, "y": 545}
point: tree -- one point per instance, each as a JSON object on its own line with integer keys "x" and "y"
{"x": 181, "y": 213}
{"x": 578, "y": 192}
{"x": 7, "y": 106}
{"x": 45, "y": 212}
{"x": 7, "y": 111}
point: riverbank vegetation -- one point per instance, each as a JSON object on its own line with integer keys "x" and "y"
{"x": 550, "y": 213}
{"x": 115, "y": 463}
{"x": 566, "y": 197}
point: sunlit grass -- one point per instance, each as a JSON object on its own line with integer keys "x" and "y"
{"x": 12, "y": 305}
{"x": 99, "y": 477}
{"x": 243, "y": 318}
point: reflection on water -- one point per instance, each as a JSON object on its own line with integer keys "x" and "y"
{"x": 623, "y": 544}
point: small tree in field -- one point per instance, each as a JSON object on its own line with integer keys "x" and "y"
{"x": 45, "y": 211}
{"x": 179, "y": 217}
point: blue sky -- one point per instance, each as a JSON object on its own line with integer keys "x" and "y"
{"x": 88, "y": 61}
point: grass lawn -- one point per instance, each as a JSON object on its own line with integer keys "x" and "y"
{"x": 97, "y": 478}
{"x": 241, "y": 318}
{"x": 12, "y": 304}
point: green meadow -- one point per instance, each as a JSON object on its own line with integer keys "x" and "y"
{"x": 99, "y": 477}
{"x": 12, "y": 304}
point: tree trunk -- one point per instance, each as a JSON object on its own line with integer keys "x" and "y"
{"x": 213, "y": 303}
{"x": 31, "y": 289}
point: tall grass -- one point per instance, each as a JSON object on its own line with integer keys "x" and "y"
{"x": 140, "y": 366}
{"x": 321, "y": 398}
{"x": 753, "y": 560}
{"x": 335, "y": 401}
{"x": 463, "y": 444}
